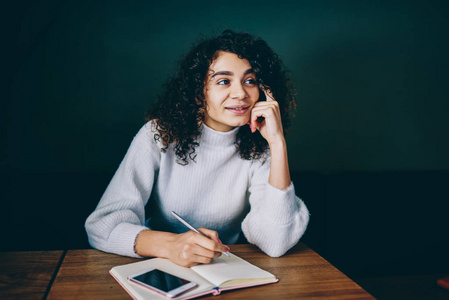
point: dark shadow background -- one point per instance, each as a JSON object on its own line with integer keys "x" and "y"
{"x": 368, "y": 148}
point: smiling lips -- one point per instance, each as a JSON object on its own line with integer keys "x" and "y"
{"x": 237, "y": 109}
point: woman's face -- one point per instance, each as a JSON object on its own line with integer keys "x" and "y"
{"x": 230, "y": 92}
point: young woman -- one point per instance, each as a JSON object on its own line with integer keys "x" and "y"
{"x": 213, "y": 150}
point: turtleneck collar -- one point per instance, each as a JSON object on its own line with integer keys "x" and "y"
{"x": 218, "y": 138}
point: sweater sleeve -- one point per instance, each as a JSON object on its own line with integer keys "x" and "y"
{"x": 120, "y": 215}
{"x": 277, "y": 218}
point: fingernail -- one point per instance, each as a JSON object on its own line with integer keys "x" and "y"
{"x": 228, "y": 249}
{"x": 220, "y": 241}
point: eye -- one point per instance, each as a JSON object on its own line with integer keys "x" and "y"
{"x": 223, "y": 82}
{"x": 250, "y": 81}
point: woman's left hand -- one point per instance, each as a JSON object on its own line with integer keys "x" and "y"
{"x": 266, "y": 117}
{"x": 270, "y": 127}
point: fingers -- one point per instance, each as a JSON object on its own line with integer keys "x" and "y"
{"x": 212, "y": 242}
{"x": 212, "y": 234}
{"x": 192, "y": 248}
{"x": 268, "y": 93}
{"x": 262, "y": 112}
{"x": 266, "y": 118}
{"x": 199, "y": 254}
{"x": 192, "y": 254}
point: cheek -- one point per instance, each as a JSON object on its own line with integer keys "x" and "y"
{"x": 214, "y": 103}
{"x": 254, "y": 95}
{"x": 215, "y": 96}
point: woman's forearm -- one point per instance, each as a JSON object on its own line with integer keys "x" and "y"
{"x": 279, "y": 171}
{"x": 151, "y": 243}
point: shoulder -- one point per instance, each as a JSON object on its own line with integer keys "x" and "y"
{"x": 148, "y": 135}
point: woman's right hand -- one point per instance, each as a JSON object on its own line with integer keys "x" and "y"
{"x": 186, "y": 249}
{"x": 191, "y": 248}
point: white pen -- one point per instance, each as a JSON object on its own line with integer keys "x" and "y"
{"x": 191, "y": 227}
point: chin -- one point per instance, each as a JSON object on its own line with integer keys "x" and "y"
{"x": 240, "y": 124}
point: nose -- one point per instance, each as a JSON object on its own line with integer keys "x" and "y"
{"x": 238, "y": 91}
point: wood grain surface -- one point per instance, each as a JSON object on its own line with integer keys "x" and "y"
{"x": 27, "y": 274}
{"x": 302, "y": 273}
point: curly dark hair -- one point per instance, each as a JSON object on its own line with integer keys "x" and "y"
{"x": 179, "y": 111}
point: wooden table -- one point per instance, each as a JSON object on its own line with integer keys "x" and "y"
{"x": 302, "y": 273}
{"x": 27, "y": 274}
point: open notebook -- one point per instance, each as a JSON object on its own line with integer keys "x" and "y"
{"x": 223, "y": 273}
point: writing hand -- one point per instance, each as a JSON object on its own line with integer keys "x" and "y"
{"x": 191, "y": 248}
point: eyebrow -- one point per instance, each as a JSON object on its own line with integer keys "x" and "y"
{"x": 229, "y": 73}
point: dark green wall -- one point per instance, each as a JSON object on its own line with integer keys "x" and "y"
{"x": 371, "y": 77}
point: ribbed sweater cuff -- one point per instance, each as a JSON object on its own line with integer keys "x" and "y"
{"x": 123, "y": 238}
{"x": 285, "y": 203}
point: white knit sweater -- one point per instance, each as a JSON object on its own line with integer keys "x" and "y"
{"x": 219, "y": 191}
